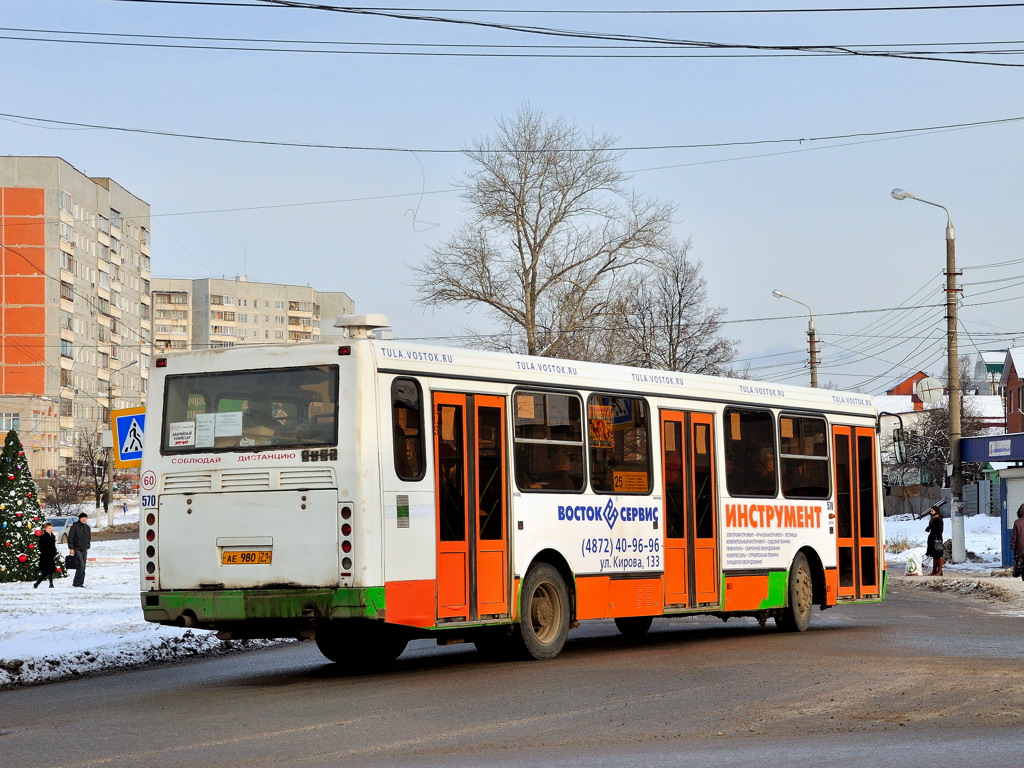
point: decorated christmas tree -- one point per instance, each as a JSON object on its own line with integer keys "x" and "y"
{"x": 21, "y": 517}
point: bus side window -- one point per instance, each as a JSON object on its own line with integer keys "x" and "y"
{"x": 804, "y": 457}
{"x": 548, "y": 442}
{"x": 407, "y": 428}
{"x": 620, "y": 444}
{"x": 749, "y": 452}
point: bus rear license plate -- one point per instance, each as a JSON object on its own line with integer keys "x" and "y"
{"x": 235, "y": 557}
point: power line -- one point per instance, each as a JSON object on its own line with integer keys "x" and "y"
{"x": 486, "y": 50}
{"x": 606, "y": 12}
{"x": 584, "y": 35}
{"x": 637, "y": 148}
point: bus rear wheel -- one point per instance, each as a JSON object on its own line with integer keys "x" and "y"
{"x": 359, "y": 647}
{"x": 796, "y": 616}
{"x": 543, "y": 613}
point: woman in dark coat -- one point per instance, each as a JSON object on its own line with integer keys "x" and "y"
{"x": 1017, "y": 541}
{"x": 47, "y": 555}
{"x": 936, "y": 547}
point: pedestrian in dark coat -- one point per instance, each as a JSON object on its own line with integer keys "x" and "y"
{"x": 936, "y": 547}
{"x": 1017, "y": 539}
{"x": 79, "y": 541}
{"x": 47, "y": 555}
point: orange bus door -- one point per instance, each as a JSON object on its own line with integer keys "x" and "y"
{"x": 471, "y": 508}
{"x": 857, "y": 544}
{"x": 691, "y": 528}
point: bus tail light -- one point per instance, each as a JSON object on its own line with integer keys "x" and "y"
{"x": 345, "y": 542}
{"x": 151, "y": 548}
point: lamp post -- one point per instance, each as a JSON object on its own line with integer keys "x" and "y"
{"x": 812, "y": 343}
{"x": 956, "y": 480}
{"x": 110, "y": 454}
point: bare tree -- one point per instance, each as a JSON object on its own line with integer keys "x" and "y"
{"x": 927, "y": 442}
{"x": 556, "y": 245}
{"x": 68, "y": 489}
{"x": 665, "y": 321}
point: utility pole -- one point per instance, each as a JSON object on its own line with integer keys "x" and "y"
{"x": 812, "y": 339}
{"x": 956, "y": 478}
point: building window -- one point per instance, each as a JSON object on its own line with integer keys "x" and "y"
{"x": 9, "y": 421}
{"x": 65, "y": 201}
{"x": 66, "y": 349}
{"x": 115, "y": 218}
{"x": 66, "y": 291}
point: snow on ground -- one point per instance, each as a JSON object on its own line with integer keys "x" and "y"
{"x": 54, "y": 634}
{"x": 982, "y": 537}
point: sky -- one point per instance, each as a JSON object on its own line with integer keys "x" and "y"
{"x": 795, "y": 196}
{"x": 63, "y": 633}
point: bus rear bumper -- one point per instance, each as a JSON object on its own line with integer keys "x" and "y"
{"x": 267, "y": 612}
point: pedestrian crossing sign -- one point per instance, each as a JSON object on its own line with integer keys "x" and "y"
{"x": 128, "y": 426}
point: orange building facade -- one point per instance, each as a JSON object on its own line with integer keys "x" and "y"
{"x": 74, "y": 305}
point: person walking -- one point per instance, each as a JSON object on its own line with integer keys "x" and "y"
{"x": 47, "y": 555}
{"x": 1017, "y": 541}
{"x": 79, "y": 540}
{"x": 936, "y": 547}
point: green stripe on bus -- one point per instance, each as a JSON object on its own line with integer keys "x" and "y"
{"x": 240, "y": 604}
{"x": 778, "y": 581}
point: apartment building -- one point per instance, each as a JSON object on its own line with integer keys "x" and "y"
{"x": 220, "y": 312}
{"x": 75, "y": 314}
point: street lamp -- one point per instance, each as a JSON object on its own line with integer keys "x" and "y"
{"x": 811, "y": 339}
{"x": 110, "y": 456}
{"x": 956, "y": 480}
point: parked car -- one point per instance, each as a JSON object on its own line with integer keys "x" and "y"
{"x": 60, "y": 527}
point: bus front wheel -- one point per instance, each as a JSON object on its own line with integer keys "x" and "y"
{"x": 543, "y": 613}
{"x": 796, "y": 616}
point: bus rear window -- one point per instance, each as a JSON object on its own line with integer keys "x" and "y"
{"x": 241, "y": 410}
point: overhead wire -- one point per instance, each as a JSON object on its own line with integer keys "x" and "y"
{"x": 486, "y": 50}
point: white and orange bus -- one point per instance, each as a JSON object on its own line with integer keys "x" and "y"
{"x": 366, "y": 491}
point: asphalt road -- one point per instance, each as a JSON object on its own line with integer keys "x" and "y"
{"x": 927, "y": 679}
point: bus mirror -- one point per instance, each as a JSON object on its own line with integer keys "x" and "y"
{"x": 899, "y": 446}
